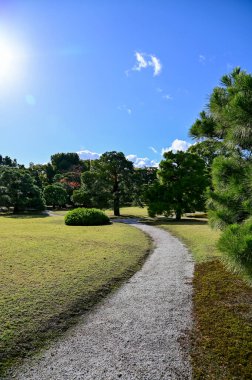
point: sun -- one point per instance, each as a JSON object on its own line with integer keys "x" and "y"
{"x": 11, "y": 58}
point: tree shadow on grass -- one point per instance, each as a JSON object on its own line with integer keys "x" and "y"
{"x": 163, "y": 220}
{"x": 174, "y": 222}
{"x": 25, "y": 216}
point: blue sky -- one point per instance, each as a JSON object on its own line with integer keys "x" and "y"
{"x": 94, "y": 76}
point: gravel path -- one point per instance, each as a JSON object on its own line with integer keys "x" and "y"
{"x": 137, "y": 333}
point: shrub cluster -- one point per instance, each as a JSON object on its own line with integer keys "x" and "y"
{"x": 236, "y": 242}
{"x": 86, "y": 217}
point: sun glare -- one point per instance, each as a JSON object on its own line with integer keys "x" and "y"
{"x": 11, "y": 59}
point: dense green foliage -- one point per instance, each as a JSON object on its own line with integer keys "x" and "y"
{"x": 236, "y": 242}
{"x": 231, "y": 199}
{"x": 7, "y": 161}
{"x": 64, "y": 162}
{"x": 208, "y": 150}
{"x": 108, "y": 182}
{"x": 228, "y": 122}
{"x": 181, "y": 184}
{"x": 86, "y": 217}
{"x": 94, "y": 189}
{"x": 79, "y": 198}
{"x": 18, "y": 190}
{"x": 142, "y": 179}
{"x": 55, "y": 195}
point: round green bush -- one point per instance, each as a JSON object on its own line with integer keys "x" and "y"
{"x": 86, "y": 217}
{"x": 236, "y": 242}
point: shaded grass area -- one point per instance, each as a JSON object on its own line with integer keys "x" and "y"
{"x": 51, "y": 273}
{"x": 222, "y": 334}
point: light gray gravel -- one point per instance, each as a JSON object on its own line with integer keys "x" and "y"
{"x": 140, "y": 332}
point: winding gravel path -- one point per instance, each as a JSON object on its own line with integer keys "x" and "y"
{"x": 137, "y": 333}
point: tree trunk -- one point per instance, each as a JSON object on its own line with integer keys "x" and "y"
{"x": 178, "y": 215}
{"x": 116, "y": 204}
{"x": 116, "y": 197}
{"x": 16, "y": 209}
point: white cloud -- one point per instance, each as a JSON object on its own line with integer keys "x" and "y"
{"x": 141, "y": 62}
{"x": 141, "y": 162}
{"x": 177, "y": 145}
{"x": 88, "y": 155}
{"x": 125, "y": 108}
{"x": 167, "y": 97}
{"x": 155, "y": 62}
{"x": 202, "y": 58}
{"x": 147, "y": 60}
{"x": 153, "y": 149}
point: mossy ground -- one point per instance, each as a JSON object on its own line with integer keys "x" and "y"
{"x": 222, "y": 339}
{"x": 50, "y": 273}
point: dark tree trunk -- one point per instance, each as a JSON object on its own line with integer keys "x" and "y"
{"x": 116, "y": 204}
{"x": 116, "y": 197}
{"x": 178, "y": 214}
{"x": 16, "y": 209}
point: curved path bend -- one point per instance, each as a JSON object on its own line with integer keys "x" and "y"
{"x": 140, "y": 332}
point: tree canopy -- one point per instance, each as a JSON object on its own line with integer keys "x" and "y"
{"x": 109, "y": 179}
{"x": 55, "y": 195}
{"x": 180, "y": 187}
{"x": 228, "y": 122}
{"x": 19, "y": 188}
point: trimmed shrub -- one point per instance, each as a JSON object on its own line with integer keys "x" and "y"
{"x": 236, "y": 242}
{"x": 86, "y": 217}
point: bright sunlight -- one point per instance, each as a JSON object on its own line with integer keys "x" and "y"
{"x": 11, "y": 60}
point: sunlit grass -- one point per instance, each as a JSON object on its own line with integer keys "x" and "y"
{"x": 50, "y": 272}
{"x": 197, "y": 235}
{"x": 136, "y": 212}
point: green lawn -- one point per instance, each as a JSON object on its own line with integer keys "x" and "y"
{"x": 50, "y": 273}
{"x": 135, "y": 212}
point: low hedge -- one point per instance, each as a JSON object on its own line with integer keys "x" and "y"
{"x": 86, "y": 217}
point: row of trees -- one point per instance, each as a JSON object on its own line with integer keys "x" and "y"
{"x": 108, "y": 182}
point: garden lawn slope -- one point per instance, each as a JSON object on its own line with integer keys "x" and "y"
{"x": 51, "y": 272}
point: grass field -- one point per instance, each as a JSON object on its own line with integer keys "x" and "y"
{"x": 138, "y": 212}
{"x": 50, "y": 273}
